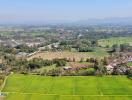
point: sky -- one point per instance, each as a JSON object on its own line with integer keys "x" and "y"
{"x": 40, "y": 11}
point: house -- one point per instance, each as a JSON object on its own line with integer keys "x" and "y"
{"x": 67, "y": 68}
{"x": 129, "y": 59}
{"x": 21, "y": 54}
{"x": 51, "y": 46}
{"x": 56, "y": 45}
{"x": 109, "y": 68}
{"x": 121, "y": 70}
{"x": 32, "y": 44}
{"x": 80, "y": 35}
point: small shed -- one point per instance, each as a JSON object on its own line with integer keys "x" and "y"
{"x": 67, "y": 68}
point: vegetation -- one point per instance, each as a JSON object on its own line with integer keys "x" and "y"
{"x": 129, "y": 64}
{"x": 115, "y": 40}
{"x": 37, "y": 55}
{"x": 99, "y": 52}
{"x": 67, "y": 88}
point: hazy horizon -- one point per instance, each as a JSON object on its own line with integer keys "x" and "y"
{"x": 47, "y": 11}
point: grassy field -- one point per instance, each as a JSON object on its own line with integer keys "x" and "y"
{"x": 112, "y": 41}
{"x": 29, "y": 87}
{"x": 6, "y": 33}
{"x": 129, "y": 64}
{"x": 99, "y": 52}
{"x": 47, "y": 68}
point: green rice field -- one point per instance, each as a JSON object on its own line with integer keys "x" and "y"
{"x": 31, "y": 87}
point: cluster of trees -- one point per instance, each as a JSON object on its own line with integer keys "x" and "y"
{"x": 4, "y": 49}
{"x": 121, "y": 48}
{"x": 130, "y": 74}
{"x": 17, "y": 49}
{"x": 64, "y": 47}
{"x": 24, "y": 48}
{"x": 81, "y": 45}
{"x": 86, "y": 72}
{"x": 24, "y": 65}
{"x": 100, "y": 67}
{"x": 52, "y": 72}
{"x": 84, "y": 45}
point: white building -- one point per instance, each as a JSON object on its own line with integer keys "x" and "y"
{"x": 109, "y": 68}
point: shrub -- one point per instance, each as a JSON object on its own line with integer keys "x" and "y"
{"x": 130, "y": 74}
{"x": 87, "y": 72}
{"x": 59, "y": 62}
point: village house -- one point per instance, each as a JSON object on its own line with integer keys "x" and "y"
{"x": 76, "y": 66}
{"x": 67, "y": 68}
{"x": 32, "y": 44}
{"x": 125, "y": 58}
{"x": 21, "y": 54}
{"x": 109, "y": 68}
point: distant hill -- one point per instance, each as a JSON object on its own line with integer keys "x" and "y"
{"x": 122, "y": 21}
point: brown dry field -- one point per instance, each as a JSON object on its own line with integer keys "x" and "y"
{"x": 64, "y": 54}
{"x": 2, "y": 98}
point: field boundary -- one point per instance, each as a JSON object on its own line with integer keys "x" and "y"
{"x": 3, "y": 85}
{"x": 62, "y": 94}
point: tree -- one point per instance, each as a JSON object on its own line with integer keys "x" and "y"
{"x": 54, "y": 72}
{"x": 86, "y": 72}
{"x": 92, "y": 60}
{"x": 101, "y": 69}
{"x": 125, "y": 47}
{"x": 47, "y": 48}
{"x": 59, "y": 62}
{"x": 116, "y": 48}
{"x": 81, "y": 60}
{"x": 96, "y": 63}
{"x": 43, "y": 72}
{"x": 94, "y": 43}
{"x": 33, "y": 65}
{"x": 74, "y": 59}
{"x": 105, "y": 61}
{"x": 130, "y": 73}
{"x": 87, "y": 60}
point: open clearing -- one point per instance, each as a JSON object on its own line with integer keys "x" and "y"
{"x": 31, "y": 87}
{"x": 111, "y": 41}
{"x": 66, "y": 54}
